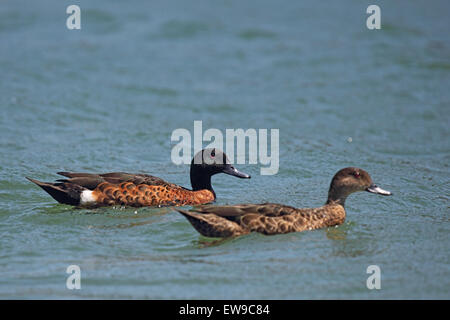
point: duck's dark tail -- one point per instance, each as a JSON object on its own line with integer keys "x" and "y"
{"x": 67, "y": 193}
{"x": 211, "y": 225}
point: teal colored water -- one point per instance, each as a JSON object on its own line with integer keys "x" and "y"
{"x": 107, "y": 98}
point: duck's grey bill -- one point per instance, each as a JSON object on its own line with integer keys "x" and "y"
{"x": 235, "y": 172}
{"x": 375, "y": 189}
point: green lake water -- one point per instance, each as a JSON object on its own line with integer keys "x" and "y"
{"x": 108, "y": 97}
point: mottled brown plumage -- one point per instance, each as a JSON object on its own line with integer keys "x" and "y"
{"x": 145, "y": 194}
{"x": 271, "y": 218}
{"x": 137, "y": 190}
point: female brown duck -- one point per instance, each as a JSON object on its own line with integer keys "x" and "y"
{"x": 137, "y": 190}
{"x": 270, "y": 218}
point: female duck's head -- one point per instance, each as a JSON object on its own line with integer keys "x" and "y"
{"x": 209, "y": 162}
{"x": 349, "y": 180}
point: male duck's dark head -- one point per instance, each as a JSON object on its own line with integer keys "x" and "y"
{"x": 349, "y": 180}
{"x": 207, "y": 163}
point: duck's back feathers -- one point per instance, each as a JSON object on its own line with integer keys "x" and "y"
{"x": 92, "y": 180}
{"x": 265, "y": 209}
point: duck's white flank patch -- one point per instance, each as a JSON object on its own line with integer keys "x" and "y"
{"x": 86, "y": 197}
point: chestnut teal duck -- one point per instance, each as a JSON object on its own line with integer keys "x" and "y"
{"x": 271, "y": 218}
{"x": 138, "y": 190}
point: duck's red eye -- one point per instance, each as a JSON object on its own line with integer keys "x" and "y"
{"x": 356, "y": 174}
{"x": 213, "y": 154}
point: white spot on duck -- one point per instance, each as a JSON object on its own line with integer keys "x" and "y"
{"x": 86, "y": 197}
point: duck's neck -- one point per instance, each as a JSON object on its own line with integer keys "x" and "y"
{"x": 336, "y": 197}
{"x": 200, "y": 180}
{"x": 340, "y": 201}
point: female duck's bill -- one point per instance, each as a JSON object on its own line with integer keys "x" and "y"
{"x": 349, "y": 180}
{"x": 377, "y": 190}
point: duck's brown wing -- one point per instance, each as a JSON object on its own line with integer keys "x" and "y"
{"x": 263, "y": 209}
{"x": 270, "y": 218}
{"x": 226, "y": 221}
{"x": 92, "y": 180}
{"x": 266, "y": 218}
